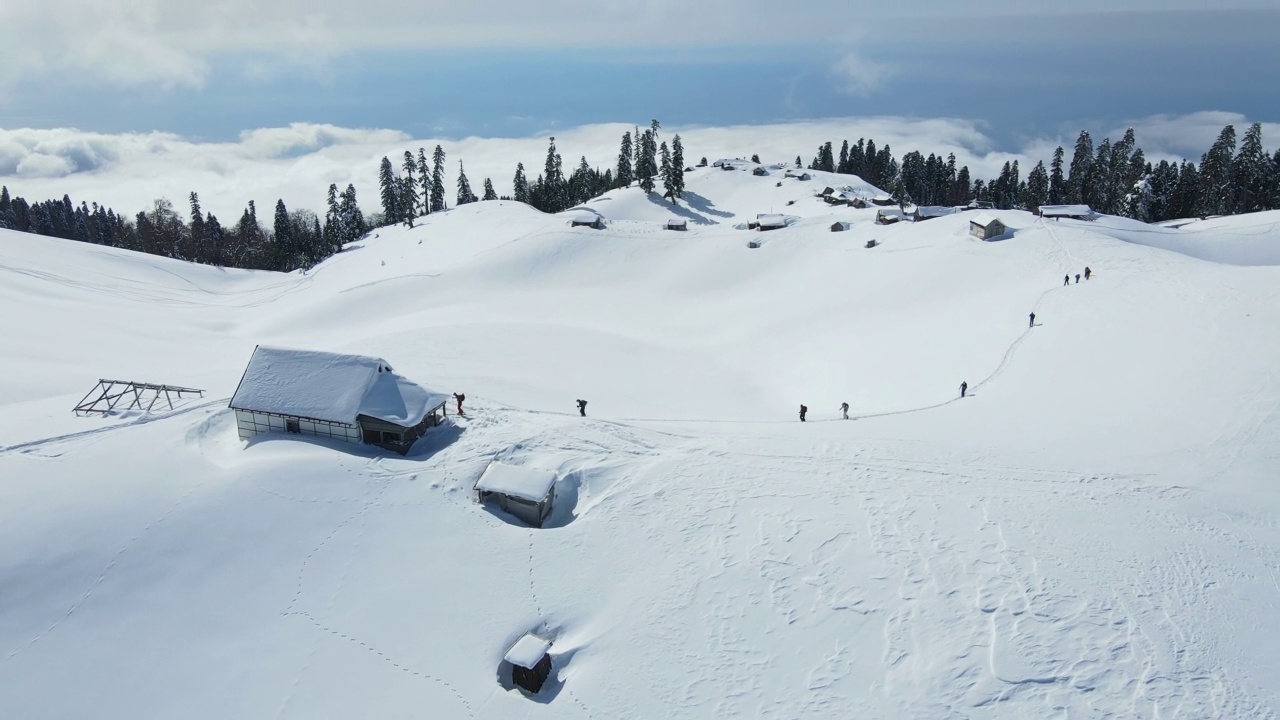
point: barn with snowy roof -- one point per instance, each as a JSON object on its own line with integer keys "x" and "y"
{"x": 349, "y": 398}
{"x": 525, "y": 492}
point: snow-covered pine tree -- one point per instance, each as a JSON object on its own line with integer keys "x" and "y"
{"x": 520, "y": 185}
{"x": 1057, "y": 181}
{"x": 424, "y": 180}
{"x": 409, "y": 188}
{"x": 1250, "y": 172}
{"x": 648, "y": 162}
{"x": 390, "y": 189}
{"x": 489, "y": 193}
{"x": 437, "y": 180}
{"x": 353, "y": 224}
{"x": 677, "y": 165}
{"x": 665, "y": 171}
{"x": 465, "y": 195}
{"x": 1080, "y": 170}
{"x": 624, "y": 176}
{"x": 1215, "y": 174}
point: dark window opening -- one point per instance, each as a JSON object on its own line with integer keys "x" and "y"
{"x": 291, "y": 425}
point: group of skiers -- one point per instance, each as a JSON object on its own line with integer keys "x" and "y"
{"x": 582, "y": 404}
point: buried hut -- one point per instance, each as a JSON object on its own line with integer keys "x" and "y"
{"x": 840, "y": 226}
{"x": 586, "y": 218}
{"x": 348, "y": 398}
{"x": 674, "y": 224}
{"x": 530, "y": 662}
{"x": 986, "y": 227}
{"x": 524, "y": 492}
{"x": 769, "y": 222}
{"x": 1072, "y": 212}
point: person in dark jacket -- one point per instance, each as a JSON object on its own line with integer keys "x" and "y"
{"x": 1033, "y": 320}
{"x": 1087, "y": 273}
{"x": 804, "y": 409}
{"x": 964, "y": 388}
{"x": 459, "y": 397}
{"x": 844, "y": 410}
{"x": 582, "y": 408}
{"x": 1077, "y": 278}
{"x": 1066, "y": 280}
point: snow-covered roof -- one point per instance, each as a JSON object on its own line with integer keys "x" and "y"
{"x": 771, "y": 220}
{"x": 934, "y": 211}
{"x": 891, "y": 212}
{"x": 583, "y": 216}
{"x": 843, "y": 224}
{"x": 1066, "y": 211}
{"x": 677, "y": 223}
{"x": 330, "y": 386}
{"x": 983, "y": 220}
{"x": 527, "y": 651}
{"x": 527, "y": 483}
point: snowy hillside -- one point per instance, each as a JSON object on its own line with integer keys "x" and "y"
{"x": 1093, "y": 532}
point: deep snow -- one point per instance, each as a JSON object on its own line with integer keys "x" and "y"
{"x": 1093, "y": 533}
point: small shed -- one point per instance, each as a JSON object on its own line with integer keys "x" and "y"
{"x": 985, "y": 227}
{"x": 674, "y": 224}
{"x": 872, "y": 243}
{"x": 348, "y": 398}
{"x": 586, "y": 219}
{"x": 883, "y": 201}
{"x": 1074, "y": 212}
{"x": 889, "y": 216}
{"x": 929, "y": 212}
{"x": 759, "y": 172}
{"x": 827, "y": 191}
{"x": 840, "y": 226}
{"x": 530, "y": 662}
{"x": 726, "y": 166}
{"x": 858, "y": 203}
{"x": 525, "y": 492}
{"x": 770, "y": 222}
{"x": 799, "y": 174}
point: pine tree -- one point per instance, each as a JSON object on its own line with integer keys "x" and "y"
{"x": 390, "y": 187}
{"x": 424, "y": 179}
{"x": 666, "y": 173}
{"x": 489, "y": 193}
{"x": 624, "y": 176}
{"x": 1215, "y": 174}
{"x": 1037, "y": 187}
{"x": 353, "y": 225}
{"x": 677, "y": 165}
{"x": 409, "y": 189}
{"x": 198, "y": 241}
{"x": 1251, "y": 173}
{"x": 437, "y": 180}
{"x": 755, "y": 159}
{"x": 843, "y": 165}
{"x": 648, "y": 162}
{"x": 333, "y": 232}
{"x": 520, "y": 185}
{"x": 1057, "y": 182}
{"x": 1081, "y": 167}
{"x": 1186, "y": 196}
{"x": 282, "y": 255}
{"x": 465, "y": 195}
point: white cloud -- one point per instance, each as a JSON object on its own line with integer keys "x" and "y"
{"x": 171, "y": 42}
{"x": 857, "y": 75}
{"x": 297, "y": 163}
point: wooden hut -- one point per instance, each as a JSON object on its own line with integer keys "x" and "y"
{"x": 530, "y": 663}
{"x": 586, "y": 219}
{"x": 985, "y": 227}
{"x": 883, "y": 201}
{"x": 1073, "y": 212}
{"x": 759, "y": 172}
{"x": 524, "y": 492}
{"x": 929, "y": 212}
{"x": 674, "y": 224}
{"x": 348, "y": 398}
{"x": 889, "y": 216}
{"x": 770, "y": 222}
{"x": 840, "y": 226}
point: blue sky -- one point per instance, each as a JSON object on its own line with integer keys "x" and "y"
{"x": 1021, "y": 76}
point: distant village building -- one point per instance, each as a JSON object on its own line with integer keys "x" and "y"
{"x": 985, "y": 227}
{"x": 530, "y": 662}
{"x": 826, "y": 191}
{"x": 770, "y": 222}
{"x": 348, "y": 398}
{"x": 872, "y": 243}
{"x": 929, "y": 212}
{"x": 759, "y": 172}
{"x": 1073, "y": 212}
{"x": 674, "y": 224}
{"x": 586, "y": 219}
{"x": 798, "y": 174}
{"x": 889, "y": 216}
{"x": 840, "y": 226}
{"x": 883, "y": 201}
{"x": 525, "y": 492}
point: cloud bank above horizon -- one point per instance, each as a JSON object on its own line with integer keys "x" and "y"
{"x": 297, "y": 163}
{"x": 174, "y": 43}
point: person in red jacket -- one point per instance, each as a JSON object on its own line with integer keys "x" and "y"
{"x": 459, "y": 397}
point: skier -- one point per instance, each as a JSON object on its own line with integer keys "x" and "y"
{"x": 1033, "y": 320}
{"x": 844, "y": 410}
{"x": 964, "y": 388}
{"x": 803, "y": 409}
{"x": 582, "y": 408}
{"x": 1066, "y": 280}
{"x": 1077, "y": 278}
{"x": 1087, "y": 272}
{"x": 459, "y": 397}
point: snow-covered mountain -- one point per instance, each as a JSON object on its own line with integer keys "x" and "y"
{"x": 1093, "y": 532}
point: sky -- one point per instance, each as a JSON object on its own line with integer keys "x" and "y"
{"x": 1020, "y": 74}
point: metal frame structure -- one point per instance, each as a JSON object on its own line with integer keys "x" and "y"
{"x": 142, "y": 396}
